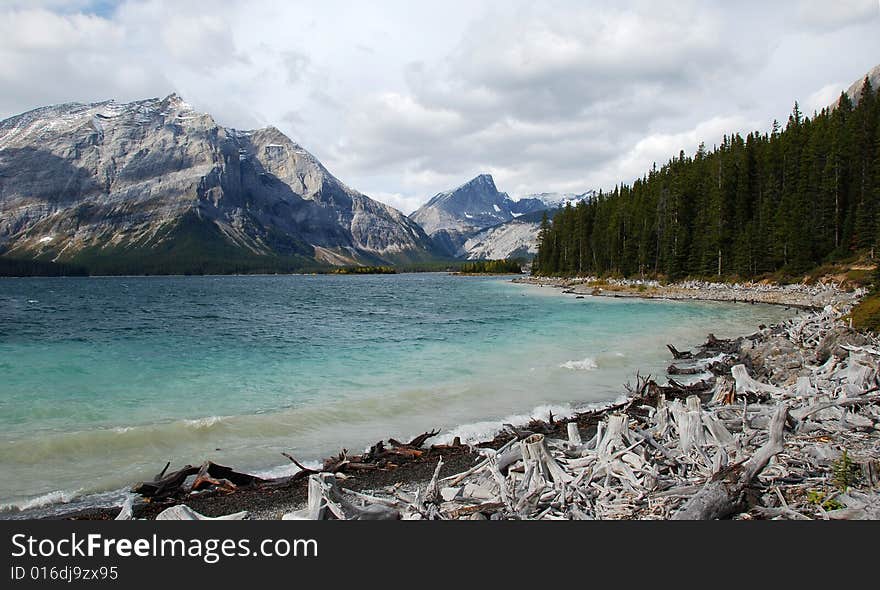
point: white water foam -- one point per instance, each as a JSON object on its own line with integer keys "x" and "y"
{"x": 56, "y": 497}
{"x": 288, "y": 470}
{"x": 477, "y": 432}
{"x": 587, "y": 364}
{"x": 206, "y": 422}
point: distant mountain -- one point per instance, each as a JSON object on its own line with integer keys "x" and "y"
{"x": 467, "y": 221}
{"x": 474, "y": 205}
{"x": 544, "y": 201}
{"x": 154, "y": 186}
{"x": 517, "y": 238}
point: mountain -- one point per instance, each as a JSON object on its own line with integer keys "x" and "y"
{"x": 467, "y": 221}
{"x": 854, "y": 92}
{"x": 451, "y": 216}
{"x": 545, "y": 201}
{"x": 154, "y": 186}
{"x": 517, "y": 238}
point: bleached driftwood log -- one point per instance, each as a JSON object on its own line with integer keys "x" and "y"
{"x": 325, "y": 499}
{"x": 746, "y": 384}
{"x": 534, "y": 448}
{"x": 184, "y": 512}
{"x": 126, "y": 513}
{"x": 723, "y": 495}
{"x": 574, "y": 435}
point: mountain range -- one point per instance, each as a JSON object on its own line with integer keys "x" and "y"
{"x": 154, "y": 186}
{"x": 476, "y": 220}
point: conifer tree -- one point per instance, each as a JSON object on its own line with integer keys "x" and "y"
{"x": 783, "y": 201}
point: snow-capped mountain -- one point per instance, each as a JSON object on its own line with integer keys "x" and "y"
{"x": 476, "y": 220}
{"x": 545, "y": 201}
{"x": 474, "y": 205}
{"x": 155, "y": 179}
{"x": 451, "y": 217}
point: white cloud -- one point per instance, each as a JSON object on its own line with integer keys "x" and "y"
{"x": 825, "y": 16}
{"x": 407, "y": 204}
{"x": 660, "y": 147}
{"x": 403, "y": 100}
{"x": 34, "y": 31}
{"x": 823, "y": 97}
{"x": 199, "y": 41}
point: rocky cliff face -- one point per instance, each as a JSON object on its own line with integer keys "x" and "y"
{"x": 514, "y": 239}
{"x": 105, "y": 180}
{"x": 474, "y": 205}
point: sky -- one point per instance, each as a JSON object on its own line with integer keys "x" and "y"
{"x": 402, "y": 99}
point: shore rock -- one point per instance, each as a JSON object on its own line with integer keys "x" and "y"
{"x": 833, "y": 343}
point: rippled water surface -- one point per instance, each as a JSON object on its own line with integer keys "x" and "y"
{"x": 103, "y": 380}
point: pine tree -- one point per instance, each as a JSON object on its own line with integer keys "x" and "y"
{"x": 785, "y": 201}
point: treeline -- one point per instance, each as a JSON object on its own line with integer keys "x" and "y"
{"x": 491, "y": 267}
{"x": 364, "y": 270}
{"x": 780, "y": 202}
{"x": 16, "y": 267}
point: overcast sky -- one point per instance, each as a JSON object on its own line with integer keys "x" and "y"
{"x": 403, "y": 99}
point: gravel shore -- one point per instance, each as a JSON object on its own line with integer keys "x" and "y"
{"x": 799, "y": 296}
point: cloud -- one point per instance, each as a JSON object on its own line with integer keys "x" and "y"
{"x": 202, "y": 42}
{"x": 411, "y": 99}
{"x": 660, "y": 147}
{"x": 401, "y": 202}
{"x": 829, "y": 16}
{"x": 48, "y": 58}
{"x": 36, "y": 31}
{"x": 297, "y": 64}
{"x": 823, "y": 97}
{"x": 546, "y": 100}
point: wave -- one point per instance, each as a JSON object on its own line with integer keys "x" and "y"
{"x": 56, "y": 497}
{"x": 587, "y": 364}
{"x": 61, "y": 502}
{"x": 477, "y": 432}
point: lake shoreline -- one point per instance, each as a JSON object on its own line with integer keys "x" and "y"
{"x": 798, "y": 296}
{"x": 273, "y": 503}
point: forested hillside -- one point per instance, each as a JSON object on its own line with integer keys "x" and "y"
{"x": 778, "y": 202}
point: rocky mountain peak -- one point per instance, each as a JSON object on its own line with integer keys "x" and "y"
{"x": 472, "y": 206}
{"x": 484, "y": 180}
{"x": 92, "y": 182}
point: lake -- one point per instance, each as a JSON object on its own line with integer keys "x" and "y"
{"x": 103, "y": 380}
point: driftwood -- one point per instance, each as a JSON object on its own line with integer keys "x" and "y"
{"x": 746, "y": 384}
{"x": 165, "y": 485}
{"x": 207, "y": 475}
{"x": 701, "y": 450}
{"x": 723, "y": 495}
{"x": 679, "y": 355}
{"x": 327, "y": 502}
{"x": 724, "y": 391}
{"x": 184, "y": 512}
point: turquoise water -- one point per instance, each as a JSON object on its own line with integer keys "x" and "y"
{"x": 103, "y": 380}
